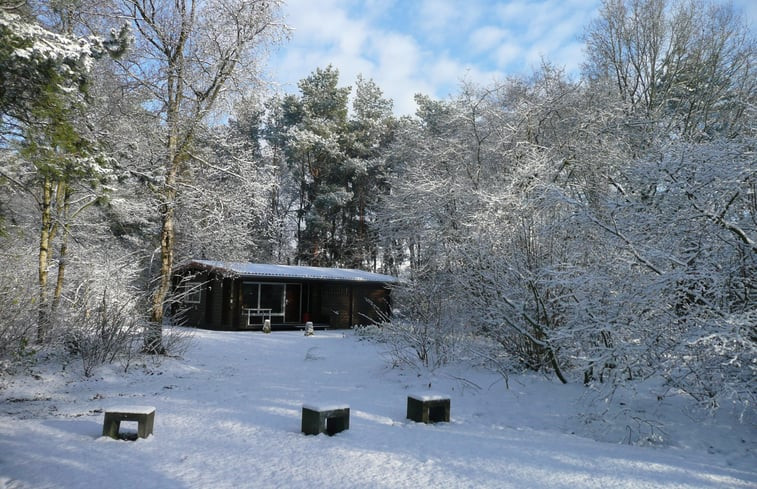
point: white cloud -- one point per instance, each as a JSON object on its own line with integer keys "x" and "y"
{"x": 570, "y": 57}
{"x": 507, "y": 53}
{"x": 446, "y": 70}
{"x": 313, "y": 24}
{"x": 542, "y": 30}
{"x": 428, "y": 46}
{"x": 515, "y": 11}
{"x": 398, "y": 54}
{"x": 398, "y": 71}
{"x": 442, "y": 21}
{"x": 487, "y": 38}
{"x": 436, "y": 16}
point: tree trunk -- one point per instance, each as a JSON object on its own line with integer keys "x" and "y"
{"x": 46, "y": 235}
{"x": 64, "y": 190}
{"x": 154, "y": 334}
{"x": 556, "y": 366}
{"x": 193, "y": 79}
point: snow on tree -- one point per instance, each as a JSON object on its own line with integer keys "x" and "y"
{"x": 529, "y": 213}
{"x": 189, "y": 55}
{"x": 334, "y": 156}
{"x": 35, "y": 62}
{"x": 42, "y": 86}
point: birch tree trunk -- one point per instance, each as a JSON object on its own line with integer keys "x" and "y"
{"x": 189, "y": 51}
{"x": 63, "y": 250}
{"x": 153, "y": 337}
{"x": 46, "y": 235}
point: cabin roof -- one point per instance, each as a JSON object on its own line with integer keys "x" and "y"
{"x": 244, "y": 269}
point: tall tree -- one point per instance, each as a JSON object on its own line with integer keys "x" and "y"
{"x": 65, "y": 163}
{"x": 237, "y": 205}
{"x": 42, "y": 96}
{"x": 687, "y": 64}
{"x": 371, "y": 130}
{"x": 316, "y": 149}
{"x": 189, "y": 55}
{"x": 333, "y": 154}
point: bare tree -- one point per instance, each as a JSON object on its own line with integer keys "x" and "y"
{"x": 230, "y": 210}
{"x": 189, "y": 56}
{"x": 688, "y": 64}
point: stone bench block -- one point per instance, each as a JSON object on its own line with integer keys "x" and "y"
{"x": 428, "y": 408}
{"x": 329, "y": 419}
{"x": 143, "y": 415}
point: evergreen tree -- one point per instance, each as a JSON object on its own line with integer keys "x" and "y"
{"x": 334, "y": 157}
{"x": 43, "y": 80}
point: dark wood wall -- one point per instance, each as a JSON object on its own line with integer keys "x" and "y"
{"x": 370, "y": 304}
{"x": 337, "y": 304}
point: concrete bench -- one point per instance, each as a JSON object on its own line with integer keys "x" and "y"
{"x": 143, "y": 415}
{"x": 329, "y": 419}
{"x": 428, "y": 408}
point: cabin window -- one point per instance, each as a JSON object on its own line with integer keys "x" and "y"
{"x": 191, "y": 292}
{"x": 267, "y": 297}
{"x": 272, "y": 297}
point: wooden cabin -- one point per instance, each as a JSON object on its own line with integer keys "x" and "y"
{"x": 233, "y": 295}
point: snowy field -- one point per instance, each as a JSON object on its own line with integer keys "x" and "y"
{"x": 229, "y": 413}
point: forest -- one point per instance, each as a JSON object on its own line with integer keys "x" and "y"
{"x": 599, "y": 228}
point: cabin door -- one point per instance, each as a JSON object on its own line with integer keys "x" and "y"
{"x": 293, "y": 309}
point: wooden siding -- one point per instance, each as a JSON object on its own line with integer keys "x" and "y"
{"x": 336, "y": 304}
{"x": 369, "y": 304}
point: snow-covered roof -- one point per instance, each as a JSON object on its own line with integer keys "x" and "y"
{"x": 243, "y": 269}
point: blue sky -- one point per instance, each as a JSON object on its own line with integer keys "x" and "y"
{"x": 429, "y": 46}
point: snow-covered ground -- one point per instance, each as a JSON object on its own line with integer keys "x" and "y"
{"x": 229, "y": 413}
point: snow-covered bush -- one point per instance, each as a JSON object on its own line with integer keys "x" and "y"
{"x": 17, "y": 322}
{"x": 427, "y": 332}
{"x": 100, "y": 329}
